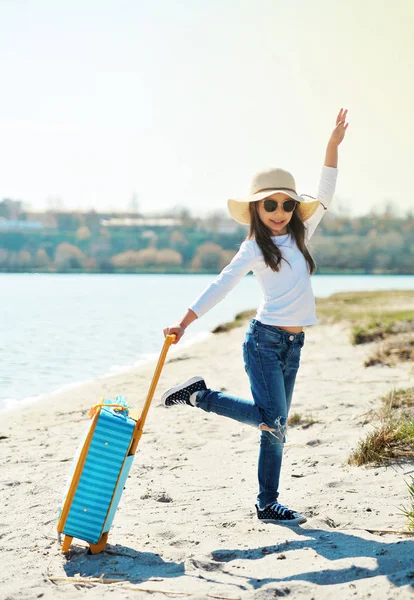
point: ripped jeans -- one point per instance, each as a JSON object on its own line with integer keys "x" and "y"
{"x": 271, "y": 359}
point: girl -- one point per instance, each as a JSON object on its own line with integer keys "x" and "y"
{"x": 281, "y": 224}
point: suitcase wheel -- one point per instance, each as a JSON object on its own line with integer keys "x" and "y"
{"x": 100, "y": 546}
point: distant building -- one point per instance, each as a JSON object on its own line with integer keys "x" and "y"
{"x": 228, "y": 228}
{"x": 141, "y": 222}
{"x": 221, "y": 225}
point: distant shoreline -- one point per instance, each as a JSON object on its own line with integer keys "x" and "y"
{"x": 184, "y": 272}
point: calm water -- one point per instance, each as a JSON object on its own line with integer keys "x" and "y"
{"x": 57, "y": 330}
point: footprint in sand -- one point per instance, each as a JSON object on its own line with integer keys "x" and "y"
{"x": 167, "y": 535}
{"x": 204, "y": 563}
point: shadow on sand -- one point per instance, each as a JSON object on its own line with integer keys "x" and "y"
{"x": 394, "y": 561}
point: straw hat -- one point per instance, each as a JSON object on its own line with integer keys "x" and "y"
{"x": 264, "y": 184}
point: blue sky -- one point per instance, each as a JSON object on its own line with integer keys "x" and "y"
{"x": 181, "y": 102}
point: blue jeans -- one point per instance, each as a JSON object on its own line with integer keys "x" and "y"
{"x": 271, "y": 360}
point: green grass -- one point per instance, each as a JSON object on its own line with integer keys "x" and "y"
{"x": 409, "y": 512}
{"x": 367, "y": 307}
{"x": 405, "y": 432}
{"x": 373, "y": 316}
{"x": 383, "y": 326}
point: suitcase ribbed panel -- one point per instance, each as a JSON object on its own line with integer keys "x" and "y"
{"x": 118, "y": 492}
{"x": 107, "y": 451}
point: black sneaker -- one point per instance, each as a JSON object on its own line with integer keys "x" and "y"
{"x": 181, "y": 394}
{"x": 277, "y": 513}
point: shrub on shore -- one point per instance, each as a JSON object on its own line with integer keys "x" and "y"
{"x": 397, "y": 349}
{"x": 394, "y": 438}
{"x": 362, "y": 308}
{"x": 239, "y": 320}
{"x": 388, "y": 324}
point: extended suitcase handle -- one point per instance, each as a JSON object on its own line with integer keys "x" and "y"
{"x": 123, "y": 473}
{"x": 169, "y": 339}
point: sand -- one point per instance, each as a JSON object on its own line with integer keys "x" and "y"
{"x": 186, "y": 525}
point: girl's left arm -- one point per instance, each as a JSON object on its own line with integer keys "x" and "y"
{"x": 329, "y": 174}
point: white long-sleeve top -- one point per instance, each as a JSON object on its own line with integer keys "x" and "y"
{"x": 288, "y": 298}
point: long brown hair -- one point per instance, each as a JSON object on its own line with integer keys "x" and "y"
{"x": 271, "y": 252}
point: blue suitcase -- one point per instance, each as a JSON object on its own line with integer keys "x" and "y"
{"x": 101, "y": 467}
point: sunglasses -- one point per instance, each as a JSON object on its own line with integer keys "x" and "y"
{"x": 271, "y": 205}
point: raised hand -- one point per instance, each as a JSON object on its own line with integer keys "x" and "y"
{"x": 338, "y": 133}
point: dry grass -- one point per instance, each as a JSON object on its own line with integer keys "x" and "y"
{"x": 304, "y": 421}
{"x": 394, "y": 437}
{"x": 239, "y": 320}
{"x": 398, "y": 348}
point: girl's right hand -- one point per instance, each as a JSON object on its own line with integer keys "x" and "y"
{"x": 174, "y": 329}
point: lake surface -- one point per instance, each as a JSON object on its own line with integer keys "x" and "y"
{"x": 58, "y": 330}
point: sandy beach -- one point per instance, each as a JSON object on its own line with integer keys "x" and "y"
{"x": 186, "y": 526}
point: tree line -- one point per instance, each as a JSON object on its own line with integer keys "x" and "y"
{"x": 78, "y": 242}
